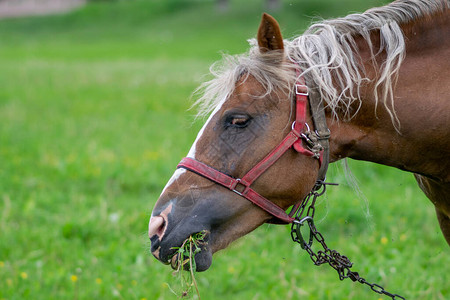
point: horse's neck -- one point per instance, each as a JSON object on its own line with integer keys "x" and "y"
{"x": 422, "y": 143}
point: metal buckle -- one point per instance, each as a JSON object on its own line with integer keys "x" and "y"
{"x": 323, "y": 136}
{"x": 303, "y": 87}
{"x": 238, "y": 181}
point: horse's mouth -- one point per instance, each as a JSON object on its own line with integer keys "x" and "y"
{"x": 201, "y": 261}
{"x": 192, "y": 248}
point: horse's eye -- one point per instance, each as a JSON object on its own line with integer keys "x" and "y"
{"x": 238, "y": 121}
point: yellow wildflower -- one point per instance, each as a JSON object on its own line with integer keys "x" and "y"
{"x": 384, "y": 240}
{"x": 24, "y": 275}
{"x": 74, "y": 278}
{"x": 98, "y": 280}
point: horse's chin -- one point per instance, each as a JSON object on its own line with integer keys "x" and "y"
{"x": 203, "y": 260}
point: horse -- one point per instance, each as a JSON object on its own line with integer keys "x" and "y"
{"x": 372, "y": 86}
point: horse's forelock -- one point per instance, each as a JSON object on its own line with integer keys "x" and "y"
{"x": 268, "y": 69}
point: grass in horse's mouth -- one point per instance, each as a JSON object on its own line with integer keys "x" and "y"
{"x": 183, "y": 259}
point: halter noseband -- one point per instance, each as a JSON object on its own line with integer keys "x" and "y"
{"x": 317, "y": 147}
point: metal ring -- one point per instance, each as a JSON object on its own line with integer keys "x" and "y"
{"x": 307, "y": 126}
{"x": 298, "y": 231}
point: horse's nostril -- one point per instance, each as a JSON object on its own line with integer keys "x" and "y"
{"x": 157, "y": 226}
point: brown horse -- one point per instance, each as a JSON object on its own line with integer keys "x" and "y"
{"x": 382, "y": 80}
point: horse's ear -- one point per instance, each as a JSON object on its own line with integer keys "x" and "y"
{"x": 269, "y": 34}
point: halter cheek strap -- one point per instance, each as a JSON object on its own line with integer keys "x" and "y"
{"x": 296, "y": 139}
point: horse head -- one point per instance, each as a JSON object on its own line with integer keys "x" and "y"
{"x": 251, "y": 117}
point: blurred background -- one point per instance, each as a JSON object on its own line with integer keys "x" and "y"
{"x": 94, "y": 99}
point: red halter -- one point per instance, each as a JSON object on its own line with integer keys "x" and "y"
{"x": 241, "y": 186}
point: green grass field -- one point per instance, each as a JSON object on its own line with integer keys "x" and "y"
{"x": 93, "y": 120}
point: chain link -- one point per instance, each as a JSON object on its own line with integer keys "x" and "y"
{"x": 340, "y": 263}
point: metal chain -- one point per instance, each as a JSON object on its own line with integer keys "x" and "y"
{"x": 337, "y": 261}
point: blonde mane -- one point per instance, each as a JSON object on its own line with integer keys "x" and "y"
{"x": 326, "y": 54}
